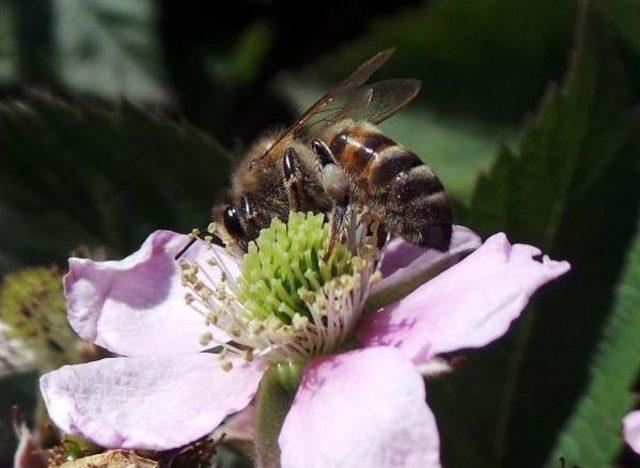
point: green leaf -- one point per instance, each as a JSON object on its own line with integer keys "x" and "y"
{"x": 490, "y": 59}
{"x": 227, "y": 458}
{"x": 8, "y": 53}
{"x": 75, "y": 174}
{"x": 555, "y": 192}
{"x": 593, "y": 432}
{"x": 624, "y": 15}
{"x": 109, "y": 48}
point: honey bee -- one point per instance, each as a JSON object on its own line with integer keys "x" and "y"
{"x": 334, "y": 157}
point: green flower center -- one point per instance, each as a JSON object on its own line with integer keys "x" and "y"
{"x": 285, "y": 268}
{"x": 32, "y": 306}
{"x": 289, "y": 303}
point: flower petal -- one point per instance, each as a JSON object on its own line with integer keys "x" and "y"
{"x": 406, "y": 266}
{"x": 466, "y": 306}
{"x": 632, "y": 430}
{"x": 148, "y": 402}
{"x": 400, "y": 255}
{"x": 136, "y": 306}
{"x": 362, "y": 408}
{"x": 238, "y": 430}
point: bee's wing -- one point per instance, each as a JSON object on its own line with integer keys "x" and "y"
{"x": 387, "y": 98}
{"x": 360, "y": 75}
{"x": 327, "y": 105}
{"x": 372, "y": 103}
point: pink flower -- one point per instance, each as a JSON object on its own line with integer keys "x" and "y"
{"x": 361, "y": 407}
{"x": 631, "y": 430}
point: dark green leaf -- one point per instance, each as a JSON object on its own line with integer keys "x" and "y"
{"x": 593, "y": 431}
{"x": 74, "y": 174}
{"x": 556, "y": 191}
{"x": 227, "y": 458}
{"x": 108, "y": 48}
{"x": 490, "y": 59}
{"x": 624, "y": 15}
{"x": 8, "y": 66}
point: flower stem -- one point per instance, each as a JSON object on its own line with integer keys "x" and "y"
{"x": 273, "y": 401}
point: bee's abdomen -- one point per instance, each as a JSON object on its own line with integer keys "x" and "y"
{"x": 390, "y": 163}
{"x": 416, "y": 183}
{"x": 419, "y": 209}
{"x": 371, "y": 158}
{"x": 408, "y": 195}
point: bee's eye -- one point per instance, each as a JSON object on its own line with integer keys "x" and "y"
{"x": 232, "y": 224}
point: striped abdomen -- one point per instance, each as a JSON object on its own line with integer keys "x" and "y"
{"x": 393, "y": 181}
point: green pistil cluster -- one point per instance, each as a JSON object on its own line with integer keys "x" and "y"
{"x": 32, "y": 306}
{"x": 285, "y": 267}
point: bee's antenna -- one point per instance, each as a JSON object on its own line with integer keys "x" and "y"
{"x": 185, "y": 248}
{"x": 194, "y": 237}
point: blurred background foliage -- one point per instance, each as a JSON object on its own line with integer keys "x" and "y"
{"x": 118, "y": 117}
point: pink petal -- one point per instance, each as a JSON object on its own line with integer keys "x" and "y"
{"x": 406, "y": 266}
{"x": 364, "y": 408}
{"x": 466, "y": 306}
{"x": 631, "y": 430}
{"x": 136, "y": 306}
{"x": 148, "y": 402}
{"x": 401, "y": 255}
{"x": 238, "y": 428}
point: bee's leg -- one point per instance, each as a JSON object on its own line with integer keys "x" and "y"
{"x": 336, "y": 184}
{"x": 338, "y": 215}
{"x": 291, "y": 169}
{"x": 382, "y": 236}
{"x": 249, "y": 216}
{"x": 322, "y": 152}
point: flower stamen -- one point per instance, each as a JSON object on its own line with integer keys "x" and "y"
{"x": 289, "y": 302}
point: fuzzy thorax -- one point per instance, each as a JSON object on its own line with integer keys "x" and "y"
{"x": 289, "y": 302}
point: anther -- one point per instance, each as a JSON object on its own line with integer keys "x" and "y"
{"x": 206, "y": 338}
{"x": 376, "y": 277}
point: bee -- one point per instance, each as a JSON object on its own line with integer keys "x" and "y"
{"x": 334, "y": 157}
